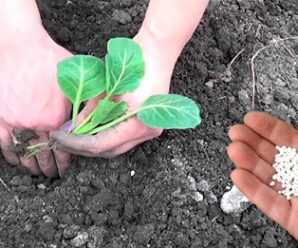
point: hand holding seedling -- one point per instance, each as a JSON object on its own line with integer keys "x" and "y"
{"x": 253, "y": 152}
{"x": 135, "y": 105}
{"x": 161, "y": 45}
{"x": 29, "y": 95}
{"x": 37, "y": 55}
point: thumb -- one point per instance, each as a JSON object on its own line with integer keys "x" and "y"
{"x": 101, "y": 142}
{"x": 76, "y": 144}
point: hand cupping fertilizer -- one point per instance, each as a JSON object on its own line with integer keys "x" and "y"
{"x": 286, "y": 171}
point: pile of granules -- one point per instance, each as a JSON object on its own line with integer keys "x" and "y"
{"x": 286, "y": 171}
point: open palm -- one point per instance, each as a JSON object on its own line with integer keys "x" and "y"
{"x": 253, "y": 150}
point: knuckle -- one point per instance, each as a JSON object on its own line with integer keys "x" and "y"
{"x": 94, "y": 146}
{"x": 94, "y": 150}
{"x": 144, "y": 130}
{"x": 154, "y": 133}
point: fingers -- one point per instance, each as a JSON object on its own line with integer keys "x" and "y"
{"x": 245, "y": 158}
{"x": 253, "y": 152}
{"x": 62, "y": 161}
{"x": 44, "y": 158}
{"x": 12, "y": 158}
{"x": 96, "y": 144}
{"x": 264, "y": 149}
{"x": 43, "y": 163}
{"x": 30, "y": 164}
{"x": 108, "y": 143}
{"x": 126, "y": 147}
{"x": 272, "y": 129}
{"x": 83, "y": 145}
{"x": 265, "y": 198}
{"x": 5, "y": 142}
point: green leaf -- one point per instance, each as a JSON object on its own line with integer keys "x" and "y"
{"x": 125, "y": 67}
{"x": 107, "y": 111}
{"x": 81, "y": 78}
{"x": 169, "y": 112}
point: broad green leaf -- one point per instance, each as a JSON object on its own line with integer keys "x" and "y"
{"x": 107, "y": 111}
{"x": 81, "y": 78}
{"x": 125, "y": 67}
{"x": 169, "y": 112}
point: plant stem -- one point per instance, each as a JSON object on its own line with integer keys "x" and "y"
{"x": 38, "y": 146}
{"x": 74, "y": 115}
{"x": 114, "y": 122}
{"x": 85, "y": 121}
{"x": 36, "y": 149}
{"x": 48, "y": 145}
{"x": 85, "y": 129}
{"x": 33, "y": 153}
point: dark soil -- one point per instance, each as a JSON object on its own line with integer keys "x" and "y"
{"x": 22, "y": 138}
{"x": 99, "y": 203}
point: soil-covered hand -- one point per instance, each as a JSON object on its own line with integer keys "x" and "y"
{"x": 253, "y": 152}
{"x": 29, "y": 94}
{"x": 128, "y": 134}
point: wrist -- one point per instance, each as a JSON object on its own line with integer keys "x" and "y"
{"x": 20, "y": 17}
{"x": 159, "y": 62}
{"x": 165, "y": 49}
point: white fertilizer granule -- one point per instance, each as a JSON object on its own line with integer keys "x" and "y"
{"x": 286, "y": 171}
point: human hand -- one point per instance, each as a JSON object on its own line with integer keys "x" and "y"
{"x": 253, "y": 151}
{"x": 128, "y": 134}
{"x": 29, "y": 95}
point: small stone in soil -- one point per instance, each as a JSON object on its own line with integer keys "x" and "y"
{"x": 70, "y": 232}
{"x": 41, "y": 186}
{"x": 96, "y": 236}
{"x": 122, "y": 16}
{"x": 26, "y": 180}
{"x": 234, "y": 201}
{"x": 80, "y": 240}
{"x": 15, "y": 181}
{"x": 197, "y": 196}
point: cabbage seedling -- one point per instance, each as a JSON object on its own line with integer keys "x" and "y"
{"x": 82, "y": 78}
